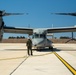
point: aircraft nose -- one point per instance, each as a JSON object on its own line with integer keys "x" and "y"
{"x": 36, "y": 41}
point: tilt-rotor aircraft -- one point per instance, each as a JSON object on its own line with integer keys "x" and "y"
{"x": 39, "y": 35}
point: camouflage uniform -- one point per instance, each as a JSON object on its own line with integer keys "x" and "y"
{"x": 29, "y": 47}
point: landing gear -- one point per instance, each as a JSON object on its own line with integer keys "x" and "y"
{"x": 51, "y": 48}
{"x": 40, "y": 48}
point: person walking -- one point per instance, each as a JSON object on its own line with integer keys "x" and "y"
{"x": 29, "y": 47}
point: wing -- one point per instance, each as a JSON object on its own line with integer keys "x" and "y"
{"x": 18, "y": 30}
{"x": 63, "y": 29}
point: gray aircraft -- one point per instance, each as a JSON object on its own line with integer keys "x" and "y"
{"x": 39, "y": 35}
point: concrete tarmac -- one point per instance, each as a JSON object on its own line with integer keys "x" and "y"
{"x": 15, "y": 61}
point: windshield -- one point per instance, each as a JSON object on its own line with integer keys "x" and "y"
{"x": 39, "y": 35}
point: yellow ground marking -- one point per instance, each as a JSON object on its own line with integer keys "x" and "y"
{"x": 12, "y": 58}
{"x": 66, "y": 63}
{"x": 23, "y": 57}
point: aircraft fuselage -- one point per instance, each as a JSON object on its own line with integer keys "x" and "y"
{"x": 40, "y": 40}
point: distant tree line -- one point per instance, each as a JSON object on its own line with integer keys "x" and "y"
{"x": 64, "y": 37}
{"x": 18, "y": 37}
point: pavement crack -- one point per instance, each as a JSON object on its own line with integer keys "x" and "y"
{"x": 18, "y": 66}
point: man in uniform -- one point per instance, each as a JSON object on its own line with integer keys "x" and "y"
{"x": 29, "y": 47}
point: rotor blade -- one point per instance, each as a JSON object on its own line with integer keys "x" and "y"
{"x": 71, "y": 14}
{"x": 7, "y": 14}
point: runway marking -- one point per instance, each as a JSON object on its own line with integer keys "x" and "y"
{"x": 24, "y": 61}
{"x": 18, "y": 66}
{"x": 73, "y": 71}
{"x": 12, "y": 58}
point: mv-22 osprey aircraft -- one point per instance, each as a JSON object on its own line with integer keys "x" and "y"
{"x": 39, "y": 35}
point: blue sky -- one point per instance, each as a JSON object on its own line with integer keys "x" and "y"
{"x": 39, "y": 14}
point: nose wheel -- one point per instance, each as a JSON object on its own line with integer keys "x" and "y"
{"x": 51, "y": 48}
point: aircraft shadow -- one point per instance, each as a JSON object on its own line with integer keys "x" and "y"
{"x": 49, "y": 50}
{"x": 41, "y": 50}
{"x": 68, "y": 50}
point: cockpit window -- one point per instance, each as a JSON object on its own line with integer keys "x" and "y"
{"x": 35, "y": 35}
{"x": 42, "y": 36}
{"x": 39, "y": 35}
